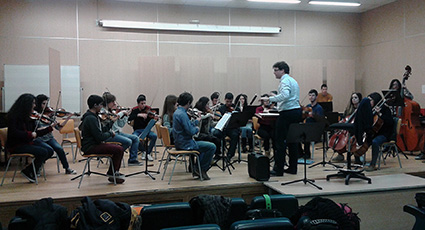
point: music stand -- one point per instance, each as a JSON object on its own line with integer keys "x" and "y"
{"x": 330, "y": 118}
{"x": 143, "y": 136}
{"x": 241, "y": 119}
{"x": 327, "y": 106}
{"x": 393, "y": 97}
{"x": 305, "y": 132}
{"x": 221, "y": 126}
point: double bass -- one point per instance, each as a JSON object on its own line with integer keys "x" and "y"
{"x": 411, "y": 136}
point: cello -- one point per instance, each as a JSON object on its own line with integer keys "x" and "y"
{"x": 411, "y": 136}
{"x": 338, "y": 140}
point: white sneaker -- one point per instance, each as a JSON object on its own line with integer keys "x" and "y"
{"x": 150, "y": 158}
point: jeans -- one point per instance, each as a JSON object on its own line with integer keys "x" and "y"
{"x": 234, "y": 138}
{"x": 151, "y": 135}
{"x": 376, "y": 143}
{"x": 206, "y": 150}
{"x": 41, "y": 154}
{"x": 127, "y": 140}
{"x": 52, "y": 145}
{"x": 246, "y": 131}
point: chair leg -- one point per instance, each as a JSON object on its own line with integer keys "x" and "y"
{"x": 398, "y": 155}
{"x": 14, "y": 174}
{"x": 166, "y": 166}
{"x": 113, "y": 170}
{"x": 34, "y": 170}
{"x": 199, "y": 167}
{"x": 174, "y": 167}
{"x": 84, "y": 171}
{"x": 57, "y": 162}
{"x": 7, "y": 168}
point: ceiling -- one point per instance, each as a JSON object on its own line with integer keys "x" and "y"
{"x": 304, "y": 6}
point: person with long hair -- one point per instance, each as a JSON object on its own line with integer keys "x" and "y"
{"x": 22, "y": 131}
{"x": 241, "y": 102}
{"x": 206, "y": 124}
{"x": 170, "y": 105}
{"x": 48, "y": 141}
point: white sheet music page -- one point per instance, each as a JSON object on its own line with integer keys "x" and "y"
{"x": 223, "y": 121}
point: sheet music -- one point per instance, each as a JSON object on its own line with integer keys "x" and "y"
{"x": 269, "y": 114}
{"x": 223, "y": 121}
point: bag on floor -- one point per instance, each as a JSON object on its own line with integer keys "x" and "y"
{"x": 101, "y": 214}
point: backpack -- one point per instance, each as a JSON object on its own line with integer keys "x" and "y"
{"x": 323, "y": 213}
{"x": 101, "y": 214}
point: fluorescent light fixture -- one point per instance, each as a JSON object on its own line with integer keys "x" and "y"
{"x": 334, "y": 3}
{"x": 277, "y": 1}
{"x": 187, "y": 27}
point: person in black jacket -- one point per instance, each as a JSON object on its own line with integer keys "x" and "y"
{"x": 21, "y": 132}
{"x": 94, "y": 135}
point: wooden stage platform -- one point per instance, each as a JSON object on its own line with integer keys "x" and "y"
{"x": 141, "y": 189}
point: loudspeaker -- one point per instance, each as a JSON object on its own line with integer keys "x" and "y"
{"x": 258, "y": 167}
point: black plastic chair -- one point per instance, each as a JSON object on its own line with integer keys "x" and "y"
{"x": 260, "y": 224}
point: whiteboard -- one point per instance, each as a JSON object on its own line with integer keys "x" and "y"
{"x": 34, "y": 79}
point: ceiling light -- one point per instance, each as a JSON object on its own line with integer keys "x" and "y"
{"x": 187, "y": 27}
{"x": 334, "y": 3}
{"x": 277, "y": 1}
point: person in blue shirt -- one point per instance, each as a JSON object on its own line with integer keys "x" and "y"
{"x": 183, "y": 131}
{"x": 288, "y": 105}
{"x": 317, "y": 111}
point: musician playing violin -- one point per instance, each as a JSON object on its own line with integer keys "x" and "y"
{"x": 118, "y": 121}
{"x": 48, "y": 141}
{"x": 21, "y": 132}
{"x": 232, "y": 132}
{"x": 363, "y": 123}
{"x": 316, "y": 110}
{"x": 142, "y": 114}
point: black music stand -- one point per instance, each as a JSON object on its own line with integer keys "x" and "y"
{"x": 240, "y": 120}
{"x": 331, "y": 118}
{"x": 143, "y": 136}
{"x": 393, "y": 97}
{"x": 221, "y": 126}
{"x": 305, "y": 132}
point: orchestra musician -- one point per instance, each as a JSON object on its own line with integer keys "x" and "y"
{"x": 317, "y": 110}
{"x": 94, "y": 135}
{"x": 184, "y": 130}
{"x": 117, "y": 122}
{"x": 266, "y": 130}
{"x": 395, "y": 84}
{"x": 170, "y": 105}
{"x": 324, "y": 96}
{"x": 48, "y": 141}
{"x": 215, "y": 99}
{"x": 206, "y": 124}
{"x": 142, "y": 114}
{"x": 288, "y": 105}
{"x": 241, "y": 102}
{"x": 354, "y": 102}
{"x": 21, "y": 132}
{"x": 233, "y": 133}
{"x": 364, "y": 123}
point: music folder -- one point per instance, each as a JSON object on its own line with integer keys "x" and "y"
{"x": 223, "y": 121}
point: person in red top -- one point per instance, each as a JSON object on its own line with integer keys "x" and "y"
{"x": 141, "y": 115}
{"x": 21, "y": 132}
{"x": 266, "y": 130}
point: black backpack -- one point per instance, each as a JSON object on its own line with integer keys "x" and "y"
{"x": 323, "y": 213}
{"x": 101, "y": 214}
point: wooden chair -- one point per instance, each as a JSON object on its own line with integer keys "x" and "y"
{"x": 166, "y": 147}
{"x": 67, "y": 129}
{"x": 3, "y": 139}
{"x": 177, "y": 153}
{"x": 256, "y": 126}
{"x": 89, "y": 157}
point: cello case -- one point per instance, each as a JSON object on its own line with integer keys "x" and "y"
{"x": 411, "y": 136}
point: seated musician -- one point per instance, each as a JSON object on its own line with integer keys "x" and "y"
{"x": 141, "y": 115}
{"x": 184, "y": 130}
{"x": 324, "y": 96}
{"x": 266, "y": 130}
{"x": 215, "y": 99}
{"x": 232, "y": 132}
{"x": 241, "y": 102}
{"x": 363, "y": 123}
{"x": 94, "y": 135}
{"x": 317, "y": 110}
{"x": 48, "y": 141}
{"x": 170, "y": 105}
{"x": 21, "y": 132}
{"x": 206, "y": 124}
{"x": 350, "y": 109}
{"x": 117, "y": 122}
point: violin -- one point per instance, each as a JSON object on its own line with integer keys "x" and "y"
{"x": 105, "y": 115}
{"x": 62, "y": 113}
{"x": 306, "y": 112}
{"x": 193, "y": 113}
{"x": 41, "y": 117}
